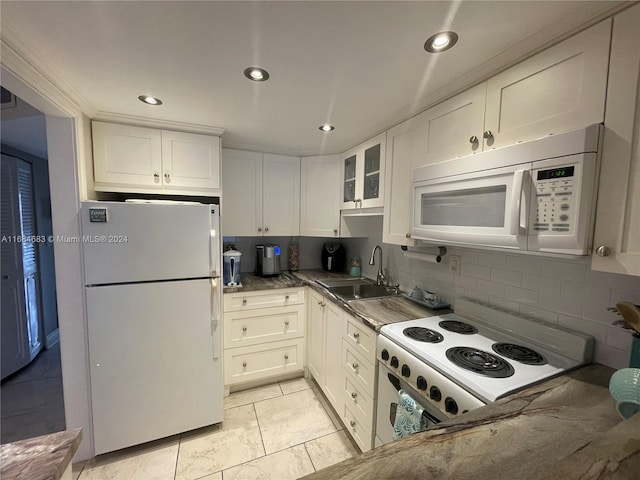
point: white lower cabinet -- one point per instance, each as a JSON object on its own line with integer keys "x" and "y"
{"x": 263, "y": 335}
{"x": 342, "y": 360}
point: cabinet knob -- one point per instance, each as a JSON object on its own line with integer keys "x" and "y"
{"x": 356, "y": 335}
{"x": 244, "y": 301}
{"x": 354, "y": 366}
{"x": 487, "y": 134}
{"x": 286, "y": 356}
{"x": 335, "y": 231}
{"x": 473, "y": 139}
{"x": 352, "y": 423}
{"x": 244, "y": 364}
{"x": 319, "y": 303}
{"x": 244, "y": 329}
{"x": 156, "y": 177}
{"x": 407, "y": 235}
{"x": 286, "y": 322}
{"x": 167, "y": 177}
{"x": 266, "y": 229}
{"x": 286, "y": 298}
{"x": 259, "y": 229}
{"x": 603, "y": 251}
{"x": 354, "y": 395}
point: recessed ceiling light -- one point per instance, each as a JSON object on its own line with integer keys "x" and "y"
{"x": 326, "y": 127}
{"x": 149, "y": 100}
{"x": 440, "y": 42}
{"x": 256, "y": 74}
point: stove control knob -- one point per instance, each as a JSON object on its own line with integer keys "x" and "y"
{"x": 385, "y": 355}
{"x": 435, "y": 394}
{"x": 450, "y": 405}
{"x": 394, "y": 362}
{"x": 406, "y": 371}
{"x": 421, "y": 382}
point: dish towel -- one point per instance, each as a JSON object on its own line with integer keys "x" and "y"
{"x": 409, "y": 417}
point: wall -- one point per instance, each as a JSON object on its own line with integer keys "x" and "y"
{"x": 562, "y": 292}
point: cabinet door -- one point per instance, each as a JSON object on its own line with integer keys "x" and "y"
{"x": 241, "y": 213}
{"x": 398, "y": 199}
{"x": 351, "y": 187}
{"x": 562, "y": 88}
{"x": 333, "y": 355}
{"x": 315, "y": 339}
{"x": 190, "y": 162}
{"x": 618, "y": 217}
{"x": 281, "y": 195}
{"x": 320, "y": 196}
{"x": 372, "y": 172}
{"x": 452, "y": 128}
{"x": 126, "y": 156}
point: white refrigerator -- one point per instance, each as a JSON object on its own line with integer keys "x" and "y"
{"x": 154, "y": 319}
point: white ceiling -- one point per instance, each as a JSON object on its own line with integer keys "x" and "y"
{"x": 359, "y": 65}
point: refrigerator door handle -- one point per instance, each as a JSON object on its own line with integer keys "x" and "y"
{"x": 214, "y": 244}
{"x": 215, "y": 321}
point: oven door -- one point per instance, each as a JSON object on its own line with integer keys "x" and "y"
{"x": 484, "y": 208}
{"x": 389, "y": 385}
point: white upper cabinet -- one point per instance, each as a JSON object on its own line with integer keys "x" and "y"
{"x": 453, "y": 128}
{"x": 363, "y": 174}
{"x": 559, "y": 89}
{"x": 260, "y": 194}
{"x": 146, "y": 160}
{"x": 320, "y": 196}
{"x": 617, "y": 228}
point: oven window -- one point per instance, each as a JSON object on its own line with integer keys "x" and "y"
{"x": 472, "y": 207}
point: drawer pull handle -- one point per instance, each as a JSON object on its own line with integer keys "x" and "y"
{"x": 286, "y": 356}
{"x": 356, "y": 335}
{"x": 286, "y": 322}
{"x": 354, "y": 395}
{"x": 286, "y": 299}
{"x": 352, "y": 423}
{"x": 244, "y": 301}
{"x": 323, "y": 304}
{"x": 319, "y": 303}
{"x": 244, "y": 364}
{"x": 354, "y": 366}
{"x": 244, "y": 329}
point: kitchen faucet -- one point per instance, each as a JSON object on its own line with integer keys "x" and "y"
{"x": 380, "y": 278}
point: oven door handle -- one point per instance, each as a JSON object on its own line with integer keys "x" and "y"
{"x": 515, "y": 228}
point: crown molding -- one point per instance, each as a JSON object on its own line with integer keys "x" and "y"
{"x": 157, "y": 123}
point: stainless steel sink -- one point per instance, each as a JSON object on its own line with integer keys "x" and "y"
{"x": 344, "y": 282}
{"x": 361, "y": 291}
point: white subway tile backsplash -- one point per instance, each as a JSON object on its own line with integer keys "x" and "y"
{"x": 468, "y": 283}
{"x": 493, "y": 260}
{"x": 563, "y": 270}
{"x": 622, "y": 282}
{"x": 598, "y": 313}
{"x": 476, "y": 271}
{"x": 506, "y": 277}
{"x": 619, "y": 338}
{"x": 597, "y": 330}
{"x": 467, "y": 256}
{"x": 504, "y": 303}
{"x": 519, "y": 263}
{"x": 625, "y": 295}
{"x": 586, "y": 293}
{"x": 611, "y": 356}
{"x": 521, "y": 295}
{"x": 560, "y": 304}
{"x": 490, "y": 288}
{"x": 541, "y": 284}
{"x": 539, "y": 313}
{"x": 476, "y": 296}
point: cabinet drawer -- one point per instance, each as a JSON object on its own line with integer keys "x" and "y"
{"x": 361, "y": 432}
{"x": 359, "y": 402}
{"x": 361, "y": 338}
{"x": 234, "y": 302}
{"x": 260, "y": 326}
{"x": 256, "y": 362}
{"x": 361, "y": 372}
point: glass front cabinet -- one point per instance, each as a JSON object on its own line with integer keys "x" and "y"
{"x": 363, "y": 175}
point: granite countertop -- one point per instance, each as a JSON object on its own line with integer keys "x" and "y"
{"x": 566, "y": 427}
{"x": 39, "y": 458}
{"x": 373, "y": 312}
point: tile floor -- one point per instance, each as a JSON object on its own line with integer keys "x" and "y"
{"x": 31, "y": 400}
{"x": 280, "y": 431}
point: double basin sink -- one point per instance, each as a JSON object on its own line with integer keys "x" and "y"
{"x": 358, "y": 288}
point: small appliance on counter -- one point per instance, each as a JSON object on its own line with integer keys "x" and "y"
{"x": 334, "y": 258}
{"x": 268, "y": 260}
{"x": 232, "y": 260}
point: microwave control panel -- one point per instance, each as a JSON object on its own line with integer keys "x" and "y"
{"x": 555, "y": 195}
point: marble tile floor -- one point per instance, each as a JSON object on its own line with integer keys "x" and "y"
{"x": 280, "y": 431}
{"x": 31, "y": 400}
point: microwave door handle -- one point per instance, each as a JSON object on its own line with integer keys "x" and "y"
{"x": 516, "y": 201}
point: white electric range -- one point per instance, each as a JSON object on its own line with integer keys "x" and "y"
{"x": 454, "y": 363}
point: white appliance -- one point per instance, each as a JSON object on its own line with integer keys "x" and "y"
{"x": 537, "y": 196}
{"x": 154, "y": 319}
{"x": 454, "y": 363}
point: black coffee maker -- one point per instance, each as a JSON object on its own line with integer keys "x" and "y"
{"x": 334, "y": 257}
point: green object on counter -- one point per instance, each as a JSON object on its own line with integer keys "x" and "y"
{"x": 355, "y": 271}
{"x": 634, "y": 360}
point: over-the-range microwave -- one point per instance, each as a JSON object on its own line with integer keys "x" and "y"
{"x": 536, "y": 196}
